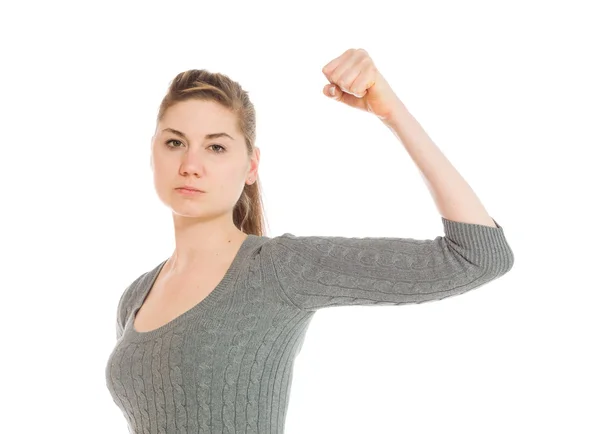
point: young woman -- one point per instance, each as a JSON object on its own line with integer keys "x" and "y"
{"x": 207, "y": 339}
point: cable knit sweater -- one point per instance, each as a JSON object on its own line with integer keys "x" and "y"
{"x": 226, "y": 364}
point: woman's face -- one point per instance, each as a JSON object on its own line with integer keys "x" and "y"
{"x": 218, "y": 165}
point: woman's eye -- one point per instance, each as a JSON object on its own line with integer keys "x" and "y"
{"x": 172, "y": 140}
{"x": 220, "y": 152}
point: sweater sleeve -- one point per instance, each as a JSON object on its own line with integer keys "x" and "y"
{"x": 119, "y": 328}
{"x": 315, "y": 272}
{"x": 121, "y": 315}
{"x": 124, "y": 306}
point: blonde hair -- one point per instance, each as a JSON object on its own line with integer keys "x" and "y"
{"x": 200, "y": 84}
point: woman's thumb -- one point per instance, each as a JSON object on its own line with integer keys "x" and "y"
{"x": 332, "y": 91}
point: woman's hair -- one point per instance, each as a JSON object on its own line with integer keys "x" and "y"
{"x": 200, "y": 84}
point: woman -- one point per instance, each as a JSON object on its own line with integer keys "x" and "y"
{"x": 206, "y": 340}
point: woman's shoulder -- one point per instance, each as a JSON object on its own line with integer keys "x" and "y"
{"x": 131, "y": 292}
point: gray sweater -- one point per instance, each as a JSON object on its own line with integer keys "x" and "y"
{"x": 226, "y": 364}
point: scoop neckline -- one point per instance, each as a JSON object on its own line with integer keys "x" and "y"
{"x": 208, "y": 302}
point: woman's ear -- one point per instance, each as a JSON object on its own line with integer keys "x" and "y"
{"x": 254, "y": 161}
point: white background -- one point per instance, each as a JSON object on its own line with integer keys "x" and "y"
{"x": 508, "y": 90}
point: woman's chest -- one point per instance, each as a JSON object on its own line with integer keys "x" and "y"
{"x": 169, "y": 299}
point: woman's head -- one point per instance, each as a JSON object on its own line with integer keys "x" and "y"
{"x": 185, "y": 151}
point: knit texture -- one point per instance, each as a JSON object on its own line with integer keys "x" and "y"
{"x": 226, "y": 364}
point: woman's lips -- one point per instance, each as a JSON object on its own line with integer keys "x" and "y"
{"x": 188, "y": 191}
